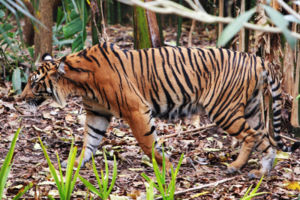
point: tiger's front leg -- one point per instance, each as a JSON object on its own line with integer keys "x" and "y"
{"x": 94, "y": 130}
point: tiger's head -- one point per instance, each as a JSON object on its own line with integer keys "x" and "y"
{"x": 44, "y": 82}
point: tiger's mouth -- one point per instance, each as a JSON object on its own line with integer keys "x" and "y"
{"x": 35, "y": 101}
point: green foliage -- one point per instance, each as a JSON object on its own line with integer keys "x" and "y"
{"x": 17, "y": 7}
{"x": 103, "y": 191}
{"x": 278, "y": 19}
{"x": 254, "y": 192}
{"x": 65, "y": 188}
{"x": 5, "y": 169}
{"x": 166, "y": 190}
{"x": 76, "y": 18}
{"x": 234, "y": 27}
{"x": 10, "y": 50}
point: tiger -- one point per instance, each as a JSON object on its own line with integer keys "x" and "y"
{"x": 167, "y": 83}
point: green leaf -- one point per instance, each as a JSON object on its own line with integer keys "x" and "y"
{"x": 234, "y": 27}
{"x": 16, "y": 80}
{"x": 2, "y": 13}
{"x": 72, "y": 28}
{"x": 77, "y": 45}
{"x": 24, "y": 11}
{"x": 278, "y": 19}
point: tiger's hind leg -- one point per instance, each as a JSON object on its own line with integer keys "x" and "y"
{"x": 267, "y": 160}
{"x": 254, "y": 119}
{"x": 238, "y": 126}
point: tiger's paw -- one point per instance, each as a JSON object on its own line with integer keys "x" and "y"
{"x": 232, "y": 170}
{"x": 254, "y": 174}
{"x": 64, "y": 164}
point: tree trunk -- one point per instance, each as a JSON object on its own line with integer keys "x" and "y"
{"x": 146, "y": 30}
{"x": 242, "y": 32}
{"x": 43, "y": 36}
{"x": 221, "y": 14}
{"x": 28, "y": 30}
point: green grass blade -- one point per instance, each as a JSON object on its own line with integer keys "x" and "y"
{"x": 69, "y": 172}
{"x": 106, "y": 178}
{"x": 50, "y": 197}
{"x": 159, "y": 178}
{"x": 90, "y": 186}
{"x": 254, "y": 195}
{"x": 97, "y": 175}
{"x": 5, "y": 169}
{"x": 257, "y": 186}
{"x": 150, "y": 191}
{"x": 52, "y": 171}
{"x": 60, "y": 173}
{"x": 114, "y": 176}
{"x": 23, "y": 191}
{"x": 3, "y": 180}
{"x": 76, "y": 173}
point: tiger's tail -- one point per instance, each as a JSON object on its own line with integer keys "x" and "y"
{"x": 275, "y": 90}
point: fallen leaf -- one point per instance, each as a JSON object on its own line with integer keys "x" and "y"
{"x": 293, "y": 185}
{"x": 46, "y": 115}
{"x": 115, "y": 197}
{"x": 118, "y": 132}
{"x": 37, "y": 146}
{"x": 199, "y": 194}
{"x": 69, "y": 119}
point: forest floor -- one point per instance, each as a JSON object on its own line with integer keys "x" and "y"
{"x": 206, "y": 151}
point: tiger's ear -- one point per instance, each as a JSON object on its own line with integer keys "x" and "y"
{"x": 47, "y": 57}
{"x": 61, "y": 68}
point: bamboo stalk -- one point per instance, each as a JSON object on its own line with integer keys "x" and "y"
{"x": 242, "y": 32}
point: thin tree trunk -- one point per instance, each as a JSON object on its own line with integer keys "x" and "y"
{"x": 146, "y": 30}
{"x": 43, "y": 36}
{"x": 242, "y": 32}
{"x": 221, "y": 14}
{"x": 28, "y": 30}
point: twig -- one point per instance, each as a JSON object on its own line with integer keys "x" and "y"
{"x": 288, "y": 138}
{"x": 188, "y": 131}
{"x": 169, "y": 7}
{"x": 214, "y": 184}
{"x": 191, "y": 33}
{"x": 289, "y": 9}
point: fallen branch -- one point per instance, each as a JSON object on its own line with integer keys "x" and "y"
{"x": 288, "y": 138}
{"x": 214, "y": 184}
{"x": 170, "y": 7}
{"x": 189, "y": 131}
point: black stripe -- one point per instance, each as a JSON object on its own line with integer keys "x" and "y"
{"x": 95, "y": 59}
{"x": 92, "y": 136}
{"x": 239, "y": 131}
{"x": 119, "y": 58}
{"x": 277, "y": 97}
{"x": 105, "y": 56}
{"x": 151, "y": 131}
{"x": 77, "y": 69}
{"x": 83, "y": 54}
{"x": 98, "y": 114}
{"x": 108, "y": 104}
{"x": 97, "y": 131}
